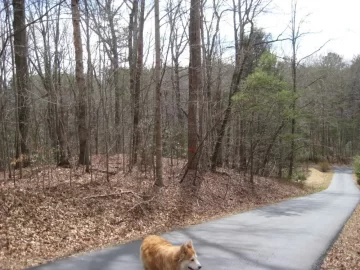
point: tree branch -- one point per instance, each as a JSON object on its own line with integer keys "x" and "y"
{"x": 27, "y": 25}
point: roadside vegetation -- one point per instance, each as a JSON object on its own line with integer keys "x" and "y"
{"x": 318, "y": 177}
{"x": 356, "y": 166}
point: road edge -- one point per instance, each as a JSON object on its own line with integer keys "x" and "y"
{"x": 317, "y": 265}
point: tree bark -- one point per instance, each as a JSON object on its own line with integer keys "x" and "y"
{"x": 137, "y": 86}
{"x": 80, "y": 82}
{"x": 115, "y": 67}
{"x": 293, "y": 106}
{"x": 158, "y": 138}
{"x": 132, "y": 41}
{"x": 22, "y": 81}
{"x": 195, "y": 81}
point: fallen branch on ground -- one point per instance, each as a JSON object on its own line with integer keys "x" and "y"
{"x": 103, "y": 171}
{"x": 140, "y": 203}
{"x": 112, "y": 195}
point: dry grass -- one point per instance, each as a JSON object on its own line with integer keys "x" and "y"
{"x": 318, "y": 180}
{"x": 59, "y": 212}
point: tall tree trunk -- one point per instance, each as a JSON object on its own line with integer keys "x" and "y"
{"x": 280, "y": 164}
{"x": 116, "y": 76}
{"x": 132, "y": 41}
{"x": 293, "y": 106}
{"x": 89, "y": 80}
{"x": 195, "y": 83}
{"x": 234, "y": 87}
{"x": 270, "y": 146}
{"x": 227, "y": 146}
{"x": 80, "y": 82}
{"x": 137, "y": 86}
{"x": 242, "y": 148}
{"x": 158, "y": 139}
{"x": 221, "y": 131}
{"x": 176, "y": 85}
{"x": 251, "y": 149}
{"x": 22, "y": 80}
{"x": 48, "y": 85}
{"x": 177, "y": 46}
{"x": 61, "y": 122}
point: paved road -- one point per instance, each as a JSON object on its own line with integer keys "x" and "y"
{"x": 294, "y": 234}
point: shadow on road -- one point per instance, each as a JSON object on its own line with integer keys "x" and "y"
{"x": 295, "y": 232}
{"x": 103, "y": 259}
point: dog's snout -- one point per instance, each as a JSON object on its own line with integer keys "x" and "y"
{"x": 199, "y": 267}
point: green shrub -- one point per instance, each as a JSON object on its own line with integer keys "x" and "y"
{"x": 356, "y": 165}
{"x": 299, "y": 176}
{"x": 324, "y": 166}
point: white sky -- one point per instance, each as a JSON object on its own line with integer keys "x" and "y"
{"x": 335, "y": 20}
{"x": 329, "y": 19}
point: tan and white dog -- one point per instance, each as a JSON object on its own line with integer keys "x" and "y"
{"x": 159, "y": 254}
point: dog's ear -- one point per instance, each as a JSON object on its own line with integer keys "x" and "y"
{"x": 189, "y": 244}
{"x": 183, "y": 248}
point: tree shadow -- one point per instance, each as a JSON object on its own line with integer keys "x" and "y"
{"x": 222, "y": 251}
{"x": 119, "y": 257}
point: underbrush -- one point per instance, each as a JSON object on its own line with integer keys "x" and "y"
{"x": 324, "y": 166}
{"x": 356, "y": 165}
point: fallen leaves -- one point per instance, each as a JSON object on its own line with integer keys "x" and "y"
{"x": 49, "y": 217}
{"x": 345, "y": 253}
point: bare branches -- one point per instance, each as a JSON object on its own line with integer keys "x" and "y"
{"x": 27, "y": 25}
{"x": 314, "y": 52}
{"x": 142, "y": 203}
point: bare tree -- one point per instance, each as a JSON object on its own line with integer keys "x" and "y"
{"x": 49, "y": 73}
{"x": 294, "y": 43}
{"x": 158, "y": 137}
{"x": 80, "y": 82}
{"x": 178, "y": 42}
{"x": 295, "y": 36}
{"x": 22, "y": 80}
{"x": 244, "y": 13}
{"x": 195, "y": 81}
{"x": 132, "y": 58}
{"x": 137, "y": 86}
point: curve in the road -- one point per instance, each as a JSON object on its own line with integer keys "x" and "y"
{"x": 291, "y": 235}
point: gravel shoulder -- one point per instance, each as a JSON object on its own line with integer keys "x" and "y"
{"x": 345, "y": 253}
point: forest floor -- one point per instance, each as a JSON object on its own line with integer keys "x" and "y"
{"x": 55, "y": 212}
{"x": 345, "y": 253}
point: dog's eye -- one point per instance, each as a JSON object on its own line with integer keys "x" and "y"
{"x": 192, "y": 260}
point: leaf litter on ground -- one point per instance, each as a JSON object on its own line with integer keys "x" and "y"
{"x": 57, "y": 212}
{"x": 345, "y": 252}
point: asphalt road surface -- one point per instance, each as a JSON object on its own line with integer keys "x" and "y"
{"x": 294, "y": 234}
